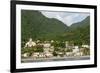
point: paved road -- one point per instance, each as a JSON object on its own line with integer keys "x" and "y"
{"x": 26, "y": 60}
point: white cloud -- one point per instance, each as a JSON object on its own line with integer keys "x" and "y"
{"x": 67, "y": 18}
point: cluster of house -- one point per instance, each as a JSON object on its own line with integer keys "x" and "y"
{"x": 49, "y": 49}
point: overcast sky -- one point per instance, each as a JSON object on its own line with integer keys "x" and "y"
{"x": 67, "y": 18}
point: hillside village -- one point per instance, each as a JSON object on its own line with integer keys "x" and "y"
{"x": 45, "y": 38}
{"x": 53, "y": 49}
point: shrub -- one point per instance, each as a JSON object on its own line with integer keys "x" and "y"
{"x": 54, "y": 53}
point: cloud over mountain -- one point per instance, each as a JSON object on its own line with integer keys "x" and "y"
{"x": 67, "y": 18}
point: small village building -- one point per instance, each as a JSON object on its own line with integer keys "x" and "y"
{"x": 52, "y": 41}
{"x": 78, "y": 53}
{"x": 69, "y": 53}
{"x": 76, "y": 49}
{"x": 37, "y": 41}
{"x": 48, "y": 54}
{"x": 46, "y": 45}
{"x": 86, "y": 46}
{"x": 66, "y": 44}
{"x": 30, "y": 43}
{"x": 25, "y": 55}
{"x": 35, "y": 55}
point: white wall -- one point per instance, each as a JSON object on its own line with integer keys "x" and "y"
{"x": 5, "y": 37}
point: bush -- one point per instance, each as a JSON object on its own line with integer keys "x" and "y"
{"x": 27, "y": 50}
{"x": 54, "y": 53}
{"x": 58, "y": 44}
{"x": 86, "y": 51}
{"x": 39, "y": 48}
{"x": 69, "y": 50}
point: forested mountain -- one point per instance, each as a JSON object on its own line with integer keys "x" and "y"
{"x": 37, "y": 26}
{"x": 83, "y": 23}
{"x": 80, "y": 32}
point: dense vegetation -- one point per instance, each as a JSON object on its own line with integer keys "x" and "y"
{"x": 37, "y": 26}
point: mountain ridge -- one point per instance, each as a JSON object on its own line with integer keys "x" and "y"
{"x": 38, "y": 27}
{"x": 33, "y": 19}
{"x": 84, "y": 22}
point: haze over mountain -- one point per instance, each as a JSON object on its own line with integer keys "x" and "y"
{"x": 80, "y": 32}
{"x": 85, "y": 22}
{"x": 68, "y": 18}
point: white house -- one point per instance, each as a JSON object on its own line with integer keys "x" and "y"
{"x": 35, "y": 55}
{"x": 52, "y": 41}
{"x": 47, "y": 45}
{"x": 25, "y": 54}
{"x": 66, "y": 44}
{"x": 30, "y": 43}
{"x": 49, "y": 55}
{"x": 69, "y": 53}
{"x": 86, "y": 46}
{"x": 78, "y": 54}
{"x": 38, "y": 41}
{"x": 41, "y": 55}
{"x": 76, "y": 49}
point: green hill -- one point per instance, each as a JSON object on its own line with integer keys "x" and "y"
{"x": 37, "y": 26}
{"x": 83, "y": 23}
{"x": 79, "y": 32}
